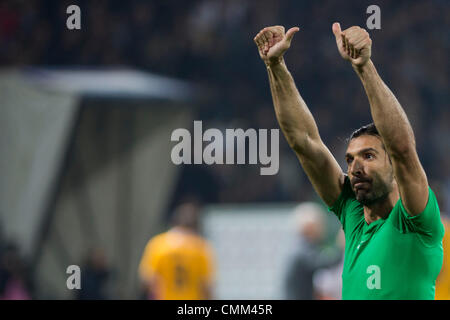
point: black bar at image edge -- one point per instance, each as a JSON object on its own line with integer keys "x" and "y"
{"x": 215, "y": 309}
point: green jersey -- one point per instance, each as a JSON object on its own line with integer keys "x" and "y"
{"x": 398, "y": 257}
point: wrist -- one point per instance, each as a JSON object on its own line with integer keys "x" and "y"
{"x": 364, "y": 68}
{"x": 274, "y": 62}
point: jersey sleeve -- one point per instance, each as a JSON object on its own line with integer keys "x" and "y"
{"x": 149, "y": 260}
{"x": 427, "y": 224}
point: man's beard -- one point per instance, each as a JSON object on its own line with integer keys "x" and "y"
{"x": 373, "y": 192}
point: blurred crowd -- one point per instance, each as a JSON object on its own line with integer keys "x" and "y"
{"x": 16, "y": 274}
{"x": 210, "y": 42}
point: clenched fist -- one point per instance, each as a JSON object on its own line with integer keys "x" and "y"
{"x": 354, "y": 44}
{"x": 272, "y": 43}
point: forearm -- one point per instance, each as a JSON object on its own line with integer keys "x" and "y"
{"x": 387, "y": 113}
{"x": 293, "y": 115}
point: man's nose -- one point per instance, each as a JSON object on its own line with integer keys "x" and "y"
{"x": 357, "y": 168}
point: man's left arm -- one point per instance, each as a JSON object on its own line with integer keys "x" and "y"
{"x": 147, "y": 270}
{"x": 389, "y": 118}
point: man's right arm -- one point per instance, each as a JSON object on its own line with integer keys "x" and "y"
{"x": 295, "y": 119}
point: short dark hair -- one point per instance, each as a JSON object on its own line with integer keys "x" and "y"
{"x": 368, "y": 129}
{"x": 186, "y": 215}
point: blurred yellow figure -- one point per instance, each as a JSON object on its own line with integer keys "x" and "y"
{"x": 443, "y": 280}
{"x": 178, "y": 264}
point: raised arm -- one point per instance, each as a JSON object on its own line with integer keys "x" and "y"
{"x": 294, "y": 117}
{"x": 354, "y": 45}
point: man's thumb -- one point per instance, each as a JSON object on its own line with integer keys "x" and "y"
{"x": 290, "y": 33}
{"x": 336, "y": 29}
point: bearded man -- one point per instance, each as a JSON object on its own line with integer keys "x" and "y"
{"x": 389, "y": 214}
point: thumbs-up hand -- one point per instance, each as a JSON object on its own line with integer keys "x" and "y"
{"x": 354, "y": 44}
{"x": 272, "y": 43}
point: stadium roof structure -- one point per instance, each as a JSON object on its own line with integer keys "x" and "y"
{"x": 110, "y": 83}
{"x": 40, "y": 118}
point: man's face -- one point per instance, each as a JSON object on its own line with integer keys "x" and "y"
{"x": 369, "y": 169}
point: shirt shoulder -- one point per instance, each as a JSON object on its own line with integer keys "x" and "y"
{"x": 427, "y": 225}
{"x": 157, "y": 241}
{"x": 203, "y": 246}
{"x": 151, "y": 256}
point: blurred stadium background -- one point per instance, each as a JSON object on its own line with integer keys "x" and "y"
{"x": 86, "y": 117}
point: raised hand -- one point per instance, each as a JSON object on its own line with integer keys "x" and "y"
{"x": 272, "y": 43}
{"x": 354, "y": 44}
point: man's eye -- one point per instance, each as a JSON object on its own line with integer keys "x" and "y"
{"x": 369, "y": 156}
{"x": 349, "y": 161}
